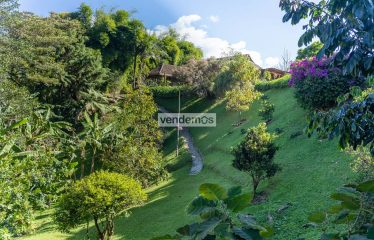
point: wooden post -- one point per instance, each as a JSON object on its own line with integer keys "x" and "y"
{"x": 179, "y": 111}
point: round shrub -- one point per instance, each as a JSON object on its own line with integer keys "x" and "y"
{"x": 99, "y": 197}
{"x": 317, "y": 84}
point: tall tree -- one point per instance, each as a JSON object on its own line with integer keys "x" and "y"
{"x": 55, "y": 63}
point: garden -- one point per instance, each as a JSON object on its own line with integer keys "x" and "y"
{"x": 82, "y": 155}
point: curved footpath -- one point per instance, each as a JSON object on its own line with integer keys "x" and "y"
{"x": 197, "y": 160}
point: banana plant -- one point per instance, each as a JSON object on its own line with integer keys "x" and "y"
{"x": 94, "y": 138}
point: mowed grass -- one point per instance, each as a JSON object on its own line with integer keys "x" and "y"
{"x": 311, "y": 171}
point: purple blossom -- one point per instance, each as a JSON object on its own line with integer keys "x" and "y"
{"x": 311, "y": 68}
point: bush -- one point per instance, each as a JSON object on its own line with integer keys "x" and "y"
{"x": 317, "y": 84}
{"x": 273, "y": 84}
{"x": 171, "y": 91}
{"x": 255, "y": 155}
{"x": 99, "y": 197}
{"x": 266, "y": 110}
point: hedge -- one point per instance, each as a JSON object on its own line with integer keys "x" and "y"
{"x": 277, "y": 83}
{"x": 171, "y": 91}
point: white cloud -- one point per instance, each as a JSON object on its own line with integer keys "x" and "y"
{"x": 272, "y": 62}
{"x": 211, "y": 46}
{"x": 214, "y": 19}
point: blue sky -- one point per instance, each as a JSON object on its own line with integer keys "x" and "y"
{"x": 249, "y": 26}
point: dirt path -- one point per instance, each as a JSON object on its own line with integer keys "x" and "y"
{"x": 197, "y": 160}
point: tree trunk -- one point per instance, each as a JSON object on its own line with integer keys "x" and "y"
{"x": 82, "y": 168}
{"x": 255, "y": 184}
{"x": 93, "y": 160}
{"x": 101, "y": 234}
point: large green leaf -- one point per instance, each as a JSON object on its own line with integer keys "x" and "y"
{"x": 212, "y": 191}
{"x": 238, "y": 203}
{"x": 250, "y": 222}
{"x": 247, "y": 234}
{"x": 348, "y": 201}
{"x": 207, "y": 227}
{"x": 317, "y": 217}
{"x": 234, "y": 191}
{"x": 367, "y": 186}
{"x": 199, "y": 205}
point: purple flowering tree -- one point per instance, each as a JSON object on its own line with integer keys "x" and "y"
{"x": 318, "y": 84}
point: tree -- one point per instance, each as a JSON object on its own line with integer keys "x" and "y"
{"x": 266, "y": 110}
{"x": 136, "y": 151}
{"x": 352, "y": 121}
{"x": 34, "y": 167}
{"x": 200, "y": 75}
{"x": 309, "y": 51}
{"x": 239, "y": 99}
{"x": 100, "y": 197}
{"x": 345, "y": 28}
{"x": 55, "y": 63}
{"x": 189, "y": 52}
{"x": 255, "y": 155}
{"x": 285, "y": 61}
{"x": 237, "y": 71}
{"x": 216, "y": 207}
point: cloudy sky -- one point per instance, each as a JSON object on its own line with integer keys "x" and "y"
{"x": 248, "y": 26}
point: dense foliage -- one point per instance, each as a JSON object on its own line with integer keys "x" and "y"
{"x": 255, "y": 155}
{"x": 200, "y": 75}
{"x": 317, "y": 84}
{"x": 354, "y": 212}
{"x": 266, "y": 110}
{"x": 218, "y": 209}
{"x": 236, "y": 82}
{"x": 53, "y": 62}
{"x": 345, "y": 28}
{"x": 273, "y": 84}
{"x": 309, "y": 51}
{"x": 352, "y": 121}
{"x": 34, "y": 169}
{"x": 67, "y": 108}
{"x": 99, "y": 197}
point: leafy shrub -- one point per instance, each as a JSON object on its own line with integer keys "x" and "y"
{"x": 317, "y": 84}
{"x": 255, "y": 155}
{"x": 273, "y": 84}
{"x": 352, "y": 121}
{"x": 354, "y": 212}
{"x": 266, "y": 75}
{"x": 363, "y": 162}
{"x": 217, "y": 207}
{"x": 99, "y": 197}
{"x": 266, "y": 110}
{"x": 171, "y": 91}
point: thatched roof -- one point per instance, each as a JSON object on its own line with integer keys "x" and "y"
{"x": 165, "y": 70}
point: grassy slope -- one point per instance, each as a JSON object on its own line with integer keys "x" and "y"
{"x": 312, "y": 169}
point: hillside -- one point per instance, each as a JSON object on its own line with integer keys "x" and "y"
{"x": 311, "y": 170}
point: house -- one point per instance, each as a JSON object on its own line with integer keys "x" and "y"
{"x": 275, "y": 73}
{"x": 167, "y": 72}
{"x": 163, "y": 72}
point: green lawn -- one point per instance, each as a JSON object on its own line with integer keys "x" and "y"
{"x": 311, "y": 170}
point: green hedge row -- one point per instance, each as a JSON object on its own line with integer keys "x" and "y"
{"x": 170, "y": 91}
{"x": 277, "y": 83}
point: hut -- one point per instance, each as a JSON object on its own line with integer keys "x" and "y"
{"x": 164, "y": 72}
